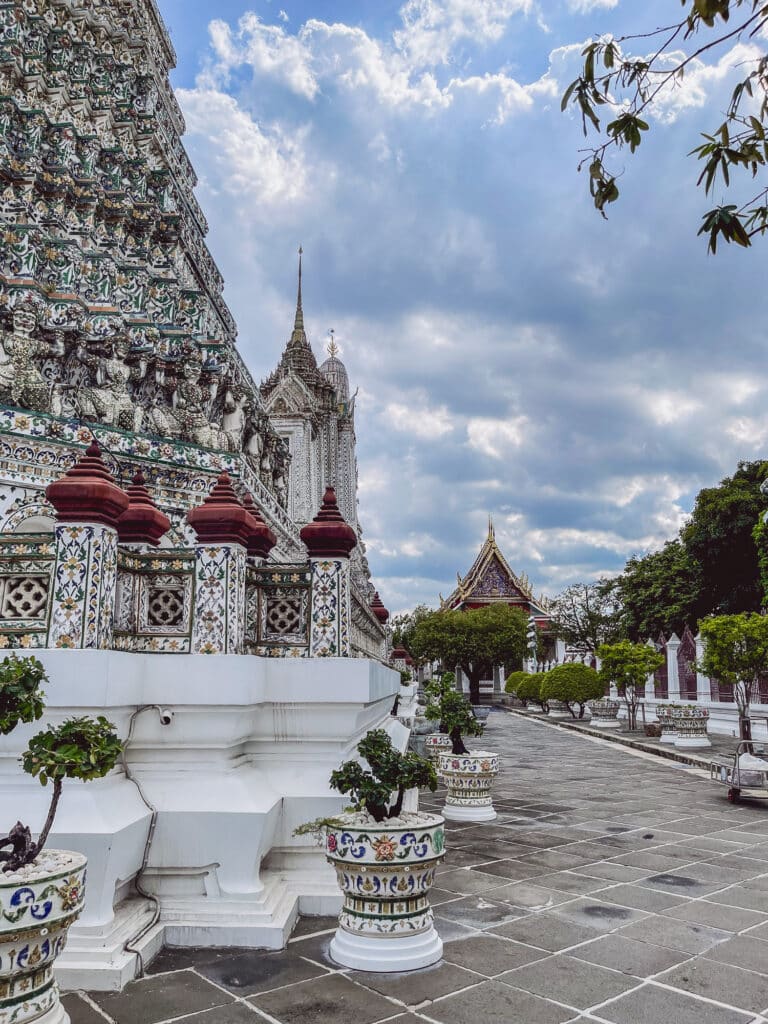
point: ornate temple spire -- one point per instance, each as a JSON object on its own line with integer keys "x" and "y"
{"x": 298, "y": 322}
{"x": 491, "y": 529}
{"x": 298, "y": 337}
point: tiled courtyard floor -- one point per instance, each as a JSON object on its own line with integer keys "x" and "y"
{"x": 612, "y": 887}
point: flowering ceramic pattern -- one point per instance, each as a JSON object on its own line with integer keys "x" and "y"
{"x": 468, "y": 778}
{"x": 385, "y": 875}
{"x": 435, "y": 743}
{"x": 690, "y": 722}
{"x": 219, "y": 617}
{"x": 329, "y": 625}
{"x": 35, "y": 916}
{"x": 84, "y": 583}
{"x": 604, "y": 710}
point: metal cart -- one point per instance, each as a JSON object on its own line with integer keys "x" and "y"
{"x": 749, "y": 782}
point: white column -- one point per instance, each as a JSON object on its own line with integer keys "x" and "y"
{"x": 673, "y": 676}
{"x": 703, "y": 685}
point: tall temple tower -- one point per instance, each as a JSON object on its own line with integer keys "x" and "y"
{"x": 310, "y": 408}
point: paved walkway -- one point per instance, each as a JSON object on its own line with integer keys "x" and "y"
{"x": 613, "y": 887}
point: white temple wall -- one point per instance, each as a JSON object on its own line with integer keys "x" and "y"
{"x": 245, "y": 759}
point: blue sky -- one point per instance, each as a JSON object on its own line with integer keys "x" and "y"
{"x": 580, "y": 380}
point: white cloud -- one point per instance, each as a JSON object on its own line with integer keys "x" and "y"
{"x": 432, "y": 28}
{"x": 495, "y": 437}
{"x": 418, "y": 419}
{"x": 587, "y": 6}
{"x": 269, "y": 49}
{"x": 266, "y": 165}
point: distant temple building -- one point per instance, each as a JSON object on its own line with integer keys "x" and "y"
{"x": 491, "y": 580}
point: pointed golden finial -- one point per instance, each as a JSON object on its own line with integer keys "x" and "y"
{"x": 298, "y": 323}
{"x": 332, "y": 348}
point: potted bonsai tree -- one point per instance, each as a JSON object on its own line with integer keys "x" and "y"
{"x": 468, "y": 775}
{"x": 434, "y": 690}
{"x": 42, "y": 891}
{"x": 628, "y": 665}
{"x": 385, "y": 860}
{"x": 573, "y": 684}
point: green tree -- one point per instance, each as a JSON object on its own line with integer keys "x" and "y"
{"x": 626, "y": 86}
{"x": 736, "y": 652}
{"x": 719, "y": 539}
{"x": 475, "y": 640}
{"x": 711, "y": 568}
{"x": 450, "y": 709}
{"x": 628, "y": 665}
{"x": 404, "y": 624}
{"x": 526, "y": 686}
{"x": 586, "y": 615}
{"x": 658, "y": 592}
{"x": 574, "y": 684}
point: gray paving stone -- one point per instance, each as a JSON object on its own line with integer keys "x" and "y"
{"x": 571, "y": 881}
{"x": 477, "y": 912}
{"x": 495, "y": 1003}
{"x": 235, "y": 1013}
{"x": 593, "y": 913}
{"x": 748, "y": 951}
{"x": 251, "y": 972}
{"x": 640, "y": 898}
{"x": 513, "y": 869}
{"x": 613, "y": 872}
{"x": 320, "y": 1000}
{"x": 80, "y": 1012}
{"x": 160, "y": 998}
{"x": 682, "y": 935}
{"x": 653, "y": 1004}
{"x": 731, "y": 919}
{"x": 640, "y": 959}
{"x": 739, "y": 896}
{"x": 530, "y": 895}
{"x": 415, "y": 987}
{"x": 490, "y": 955}
{"x": 722, "y": 982}
{"x": 547, "y": 931}
{"x": 468, "y": 881}
{"x": 567, "y": 980}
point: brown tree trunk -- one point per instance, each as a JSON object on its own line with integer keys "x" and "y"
{"x": 474, "y": 675}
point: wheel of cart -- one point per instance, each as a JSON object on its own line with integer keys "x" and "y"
{"x": 745, "y": 774}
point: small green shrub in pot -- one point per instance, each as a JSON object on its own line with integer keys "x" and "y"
{"x": 49, "y": 885}
{"x": 451, "y": 710}
{"x": 573, "y": 684}
{"x": 385, "y": 860}
{"x": 527, "y": 688}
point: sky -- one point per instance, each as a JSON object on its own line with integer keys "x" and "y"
{"x": 516, "y": 356}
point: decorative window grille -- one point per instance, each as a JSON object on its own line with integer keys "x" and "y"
{"x": 284, "y": 615}
{"x": 24, "y": 597}
{"x": 165, "y": 604}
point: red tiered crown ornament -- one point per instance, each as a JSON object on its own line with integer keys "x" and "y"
{"x": 142, "y": 522}
{"x": 329, "y": 535}
{"x": 222, "y": 519}
{"x": 262, "y": 540}
{"x": 378, "y": 609}
{"x": 87, "y": 493}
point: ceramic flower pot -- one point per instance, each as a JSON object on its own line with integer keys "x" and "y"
{"x": 558, "y": 709}
{"x": 605, "y": 713}
{"x": 667, "y": 722}
{"x": 690, "y": 724}
{"x": 434, "y": 745}
{"x": 385, "y": 872}
{"x": 37, "y": 906}
{"x": 468, "y": 779}
{"x": 481, "y": 712}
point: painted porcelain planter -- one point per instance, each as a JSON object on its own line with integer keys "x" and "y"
{"x": 385, "y": 871}
{"x": 37, "y": 906}
{"x": 481, "y": 712}
{"x": 434, "y": 745}
{"x": 558, "y": 709}
{"x": 605, "y": 713}
{"x": 667, "y": 722}
{"x": 468, "y": 779}
{"x": 691, "y": 727}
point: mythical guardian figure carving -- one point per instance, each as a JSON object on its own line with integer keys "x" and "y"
{"x": 21, "y": 382}
{"x": 110, "y": 400}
